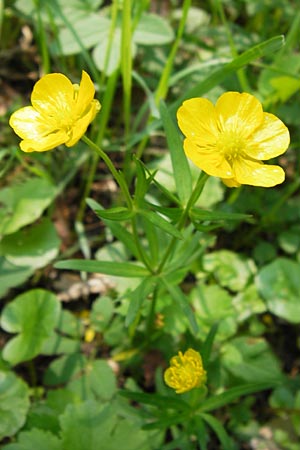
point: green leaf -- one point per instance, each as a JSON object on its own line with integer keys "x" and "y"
{"x": 214, "y": 304}
{"x": 104, "y": 45}
{"x": 102, "y": 313}
{"x": 89, "y": 31}
{"x": 278, "y": 284}
{"x": 36, "y": 439}
{"x": 216, "y": 77}
{"x": 160, "y": 222}
{"x": 153, "y": 30}
{"x": 137, "y": 297}
{"x": 142, "y": 183}
{"x": 230, "y": 269}
{"x": 250, "y": 360}
{"x": 108, "y": 267}
{"x": 97, "y": 381}
{"x": 33, "y": 315}
{"x": 91, "y": 425}
{"x": 182, "y": 301}
{"x": 12, "y": 275}
{"x": 118, "y": 213}
{"x": 62, "y": 369}
{"x": 219, "y": 430}
{"x": 220, "y": 400}
{"x": 14, "y": 403}
{"x": 33, "y": 247}
{"x": 23, "y": 203}
{"x": 200, "y": 214}
{"x": 117, "y": 230}
{"x": 159, "y": 401}
{"x": 181, "y": 169}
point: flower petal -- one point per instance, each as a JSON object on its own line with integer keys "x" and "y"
{"x": 238, "y": 112}
{"x": 85, "y": 95}
{"x": 53, "y": 96}
{"x": 256, "y": 173}
{"x": 271, "y": 139}
{"x": 42, "y": 144}
{"x": 231, "y": 182}
{"x": 197, "y": 121}
{"x": 82, "y": 124}
{"x": 30, "y": 124}
{"x": 208, "y": 159}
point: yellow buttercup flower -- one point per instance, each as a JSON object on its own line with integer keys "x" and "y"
{"x": 185, "y": 372}
{"x": 230, "y": 140}
{"x": 60, "y": 113}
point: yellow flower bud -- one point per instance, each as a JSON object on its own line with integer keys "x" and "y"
{"x": 185, "y": 372}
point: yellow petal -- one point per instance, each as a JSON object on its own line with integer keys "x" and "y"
{"x": 29, "y": 123}
{"x": 53, "y": 96}
{"x": 197, "y": 120}
{"x": 241, "y": 113}
{"x": 42, "y": 144}
{"x": 231, "y": 182}
{"x": 209, "y": 160}
{"x": 82, "y": 124}
{"x": 85, "y": 95}
{"x": 271, "y": 139}
{"x": 257, "y": 174}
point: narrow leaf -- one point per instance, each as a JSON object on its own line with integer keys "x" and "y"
{"x": 215, "y": 78}
{"x": 181, "y": 169}
{"x": 182, "y": 301}
{"x": 224, "y": 398}
{"x": 117, "y": 269}
{"x": 160, "y": 222}
{"x": 137, "y": 297}
{"x": 219, "y": 430}
{"x": 200, "y": 214}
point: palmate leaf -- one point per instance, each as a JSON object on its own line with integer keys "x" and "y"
{"x": 35, "y": 439}
{"x": 33, "y": 315}
{"x": 14, "y": 403}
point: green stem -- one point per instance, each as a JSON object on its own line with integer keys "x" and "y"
{"x": 192, "y": 200}
{"x": 118, "y": 176}
{"x": 163, "y": 85}
{"x": 162, "y": 88}
{"x": 115, "y": 173}
{"x": 240, "y": 73}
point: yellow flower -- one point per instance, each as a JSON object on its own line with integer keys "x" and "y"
{"x": 230, "y": 140}
{"x": 185, "y": 372}
{"x": 60, "y": 113}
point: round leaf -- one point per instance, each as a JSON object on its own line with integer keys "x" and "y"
{"x": 153, "y": 30}
{"x": 14, "y": 403}
{"x": 33, "y": 247}
{"x": 11, "y": 275}
{"x": 33, "y": 315}
{"x": 278, "y": 284}
{"x": 24, "y": 203}
{"x": 36, "y": 439}
{"x": 230, "y": 269}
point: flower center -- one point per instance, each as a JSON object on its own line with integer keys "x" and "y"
{"x": 231, "y": 144}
